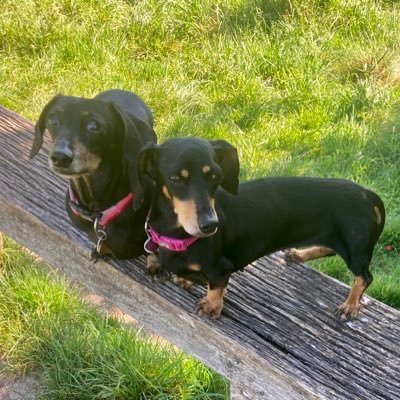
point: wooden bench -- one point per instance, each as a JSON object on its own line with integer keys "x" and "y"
{"x": 277, "y": 337}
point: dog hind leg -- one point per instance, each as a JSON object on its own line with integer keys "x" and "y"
{"x": 359, "y": 265}
{"x": 309, "y": 253}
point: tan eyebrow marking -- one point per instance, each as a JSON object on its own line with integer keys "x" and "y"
{"x": 185, "y": 173}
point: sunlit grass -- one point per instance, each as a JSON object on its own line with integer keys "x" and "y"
{"x": 300, "y": 87}
{"x": 46, "y": 327}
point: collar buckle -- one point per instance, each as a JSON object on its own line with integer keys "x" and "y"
{"x": 84, "y": 213}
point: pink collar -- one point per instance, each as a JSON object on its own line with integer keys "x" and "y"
{"x": 103, "y": 217}
{"x": 156, "y": 240}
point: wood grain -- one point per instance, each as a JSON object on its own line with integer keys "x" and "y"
{"x": 277, "y": 337}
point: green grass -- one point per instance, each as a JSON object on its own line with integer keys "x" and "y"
{"x": 301, "y": 87}
{"x": 46, "y": 327}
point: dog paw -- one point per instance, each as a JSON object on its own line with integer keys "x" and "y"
{"x": 348, "y": 311}
{"x": 182, "y": 282}
{"x": 207, "y": 307}
{"x": 155, "y": 270}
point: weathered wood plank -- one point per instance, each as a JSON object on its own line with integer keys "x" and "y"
{"x": 277, "y": 337}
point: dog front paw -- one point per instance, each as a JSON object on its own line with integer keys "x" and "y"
{"x": 155, "y": 270}
{"x": 182, "y": 282}
{"x": 210, "y": 307}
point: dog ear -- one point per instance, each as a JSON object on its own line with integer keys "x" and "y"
{"x": 40, "y": 126}
{"x": 147, "y": 174}
{"x": 136, "y": 133}
{"x": 228, "y": 160}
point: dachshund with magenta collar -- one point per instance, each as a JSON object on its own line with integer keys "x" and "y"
{"x": 207, "y": 226}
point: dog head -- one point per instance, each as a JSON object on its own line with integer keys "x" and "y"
{"x": 187, "y": 173}
{"x": 87, "y": 133}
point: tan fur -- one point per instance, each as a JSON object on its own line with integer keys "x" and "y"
{"x": 182, "y": 282}
{"x": 152, "y": 264}
{"x": 166, "y": 193}
{"x": 378, "y": 215}
{"x": 206, "y": 169}
{"x": 83, "y": 162}
{"x": 186, "y": 212}
{"x": 213, "y": 303}
{"x": 184, "y": 173}
{"x": 187, "y": 215}
{"x": 351, "y": 306}
{"x": 194, "y": 267}
{"x": 310, "y": 253}
{"x": 83, "y": 159}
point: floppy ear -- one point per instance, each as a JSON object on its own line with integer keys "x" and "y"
{"x": 40, "y": 126}
{"x": 136, "y": 133}
{"x": 147, "y": 174}
{"x": 228, "y": 160}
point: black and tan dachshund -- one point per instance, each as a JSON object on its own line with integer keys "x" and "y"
{"x": 208, "y": 226}
{"x": 96, "y": 143}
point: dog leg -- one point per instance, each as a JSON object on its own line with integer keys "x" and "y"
{"x": 310, "y": 253}
{"x": 154, "y": 269}
{"x": 350, "y": 308}
{"x": 152, "y": 264}
{"x": 213, "y": 303}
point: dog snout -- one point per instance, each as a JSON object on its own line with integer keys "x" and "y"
{"x": 208, "y": 224}
{"x": 62, "y": 156}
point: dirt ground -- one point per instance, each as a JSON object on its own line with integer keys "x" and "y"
{"x": 21, "y": 388}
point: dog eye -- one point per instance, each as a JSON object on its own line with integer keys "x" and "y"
{"x": 52, "y": 122}
{"x": 93, "y": 126}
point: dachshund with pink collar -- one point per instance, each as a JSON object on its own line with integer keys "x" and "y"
{"x": 207, "y": 226}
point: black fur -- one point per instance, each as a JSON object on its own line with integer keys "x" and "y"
{"x": 266, "y": 215}
{"x": 96, "y": 143}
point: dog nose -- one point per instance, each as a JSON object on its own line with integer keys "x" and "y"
{"x": 62, "y": 158}
{"x": 208, "y": 227}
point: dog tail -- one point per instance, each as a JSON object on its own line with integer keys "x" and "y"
{"x": 379, "y": 209}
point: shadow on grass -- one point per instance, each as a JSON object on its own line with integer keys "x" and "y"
{"x": 250, "y": 14}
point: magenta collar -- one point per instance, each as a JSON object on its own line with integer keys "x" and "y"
{"x": 155, "y": 240}
{"x": 103, "y": 217}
